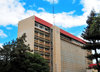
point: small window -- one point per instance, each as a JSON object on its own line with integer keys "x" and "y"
{"x": 46, "y": 49}
{"x": 41, "y": 41}
{"x": 41, "y": 54}
{"x": 41, "y": 34}
{"x": 36, "y": 31}
{"x": 47, "y": 42}
{"x": 41, "y": 47}
{"x": 46, "y": 29}
{"x": 41, "y": 26}
{"x": 36, "y": 39}
{"x": 46, "y": 35}
{"x": 36, "y": 24}
{"x": 35, "y": 46}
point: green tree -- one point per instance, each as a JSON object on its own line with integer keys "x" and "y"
{"x": 92, "y": 35}
{"x": 15, "y": 57}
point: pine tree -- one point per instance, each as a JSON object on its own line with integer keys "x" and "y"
{"x": 15, "y": 57}
{"x": 92, "y": 35}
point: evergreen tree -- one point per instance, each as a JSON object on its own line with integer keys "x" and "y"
{"x": 92, "y": 35}
{"x": 15, "y": 57}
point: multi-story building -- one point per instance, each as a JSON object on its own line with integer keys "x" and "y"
{"x": 61, "y": 49}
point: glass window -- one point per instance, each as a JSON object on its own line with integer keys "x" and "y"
{"x": 36, "y": 31}
{"x": 46, "y": 49}
{"x": 46, "y": 28}
{"x": 35, "y": 46}
{"x": 35, "y": 39}
{"x": 41, "y": 26}
{"x": 47, "y": 42}
{"x": 36, "y": 24}
{"x": 41, "y": 47}
{"x": 41, "y": 54}
{"x": 41, "y": 34}
{"x": 47, "y": 35}
{"x": 41, "y": 41}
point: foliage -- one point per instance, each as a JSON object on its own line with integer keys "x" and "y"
{"x": 92, "y": 35}
{"x": 15, "y": 57}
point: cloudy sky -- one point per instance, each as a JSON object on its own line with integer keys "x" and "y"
{"x": 70, "y": 15}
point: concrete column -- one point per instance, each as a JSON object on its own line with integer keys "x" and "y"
{"x": 56, "y": 50}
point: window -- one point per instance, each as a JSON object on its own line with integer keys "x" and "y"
{"x": 41, "y": 54}
{"x": 41, "y": 34}
{"x": 41, "y": 47}
{"x": 35, "y": 39}
{"x": 47, "y": 42}
{"x": 36, "y": 31}
{"x": 46, "y": 49}
{"x": 41, "y": 41}
{"x": 36, "y": 46}
{"x": 41, "y": 26}
{"x": 47, "y": 29}
{"x": 36, "y": 24}
{"x": 46, "y": 35}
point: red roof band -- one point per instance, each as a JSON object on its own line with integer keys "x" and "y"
{"x": 92, "y": 65}
{"x": 72, "y": 36}
{"x": 43, "y": 22}
{"x": 62, "y": 31}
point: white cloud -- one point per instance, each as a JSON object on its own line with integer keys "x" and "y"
{"x": 41, "y": 9}
{"x": 2, "y": 34}
{"x": 9, "y": 28}
{"x": 51, "y": 1}
{"x": 71, "y": 12}
{"x": 90, "y": 4}
{"x": 1, "y": 45}
{"x": 11, "y": 11}
{"x": 63, "y": 19}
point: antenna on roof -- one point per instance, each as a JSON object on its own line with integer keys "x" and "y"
{"x": 53, "y": 13}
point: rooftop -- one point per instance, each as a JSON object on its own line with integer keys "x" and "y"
{"x": 61, "y": 30}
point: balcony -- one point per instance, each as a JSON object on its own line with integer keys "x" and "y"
{"x": 36, "y": 49}
{"x": 36, "y": 41}
{"x": 41, "y": 43}
{"x": 41, "y": 36}
{"x": 41, "y": 50}
{"x": 47, "y": 51}
{"x": 48, "y": 58}
{"x": 48, "y": 45}
{"x": 36, "y": 34}
{"x": 47, "y": 54}
{"x": 36, "y": 52}
{"x": 47, "y": 38}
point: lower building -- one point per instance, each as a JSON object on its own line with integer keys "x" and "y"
{"x": 61, "y": 49}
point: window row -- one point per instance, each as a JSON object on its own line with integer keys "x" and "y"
{"x": 42, "y": 33}
{"x": 40, "y": 40}
{"x": 42, "y": 26}
{"x": 40, "y": 47}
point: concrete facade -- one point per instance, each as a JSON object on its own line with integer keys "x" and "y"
{"x": 72, "y": 58}
{"x": 61, "y": 49}
{"x": 27, "y": 26}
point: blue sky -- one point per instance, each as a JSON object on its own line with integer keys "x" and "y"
{"x": 70, "y": 15}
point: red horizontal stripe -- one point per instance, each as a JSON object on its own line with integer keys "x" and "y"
{"x": 72, "y": 36}
{"x": 43, "y": 22}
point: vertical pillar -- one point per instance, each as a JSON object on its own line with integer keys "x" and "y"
{"x": 56, "y": 50}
